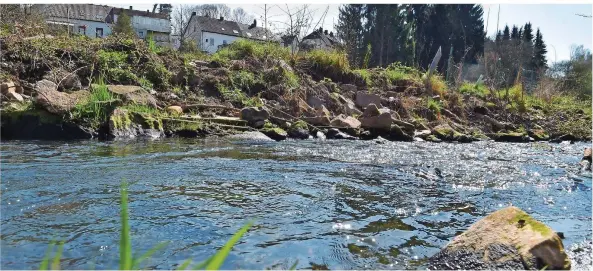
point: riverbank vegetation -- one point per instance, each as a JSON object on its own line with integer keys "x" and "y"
{"x": 290, "y": 86}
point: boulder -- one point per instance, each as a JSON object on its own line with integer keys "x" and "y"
{"x": 322, "y": 116}
{"x": 350, "y": 109}
{"x": 368, "y": 135}
{"x": 334, "y": 133}
{"x": 586, "y": 160}
{"x": 10, "y": 87}
{"x": 396, "y": 133}
{"x": 511, "y": 137}
{"x": 65, "y": 79}
{"x": 371, "y": 111}
{"x": 538, "y": 134}
{"x": 343, "y": 121}
{"x": 587, "y": 154}
{"x": 175, "y": 110}
{"x": 275, "y": 133}
{"x": 363, "y": 99}
{"x": 60, "y": 102}
{"x": 133, "y": 94}
{"x": 254, "y": 114}
{"x": 382, "y": 121}
{"x": 299, "y": 130}
{"x": 45, "y": 85}
{"x": 446, "y": 133}
{"x": 564, "y": 137}
{"x": 13, "y": 96}
{"x": 506, "y": 239}
{"x": 253, "y": 135}
{"x": 320, "y": 135}
{"x": 348, "y": 88}
{"x": 314, "y": 102}
{"x": 422, "y": 134}
{"x": 123, "y": 124}
{"x": 406, "y": 126}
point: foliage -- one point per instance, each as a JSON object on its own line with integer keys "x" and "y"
{"x": 434, "y": 106}
{"x": 349, "y": 29}
{"x": 333, "y": 60}
{"x": 574, "y": 75}
{"x": 365, "y": 75}
{"x": 243, "y": 48}
{"x": 97, "y": 108}
{"x": 437, "y": 84}
{"x": 236, "y": 96}
{"x": 123, "y": 26}
{"x": 474, "y": 89}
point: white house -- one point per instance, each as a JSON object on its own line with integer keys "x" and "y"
{"x": 147, "y": 23}
{"x": 84, "y": 19}
{"x": 212, "y": 34}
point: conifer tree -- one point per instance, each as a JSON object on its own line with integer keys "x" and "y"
{"x": 515, "y": 33}
{"x": 349, "y": 30}
{"x": 539, "y": 52}
{"x": 528, "y": 33}
{"x": 123, "y": 25}
{"x": 506, "y": 35}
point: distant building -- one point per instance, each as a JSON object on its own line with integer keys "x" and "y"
{"x": 320, "y": 39}
{"x": 96, "y": 21}
{"x": 147, "y": 23}
{"x": 84, "y": 19}
{"x": 211, "y": 34}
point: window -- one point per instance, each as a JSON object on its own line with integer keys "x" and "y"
{"x": 211, "y": 42}
{"x": 206, "y": 40}
{"x": 141, "y": 34}
{"x": 82, "y": 30}
{"x": 224, "y": 42}
{"x": 99, "y": 33}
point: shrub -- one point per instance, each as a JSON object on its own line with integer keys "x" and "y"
{"x": 365, "y": 75}
{"x": 328, "y": 60}
{"x": 438, "y": 85}
{"x": 243, "y": 48}
{"x": 97, "y": 108}
{"x": 434, "y": 106}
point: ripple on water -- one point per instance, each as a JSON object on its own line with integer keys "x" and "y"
{"x": 327, "y": 204}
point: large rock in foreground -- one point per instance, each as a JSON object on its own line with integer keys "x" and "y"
{"x": 60, "y": 102}
{"x": 506, "y": 239}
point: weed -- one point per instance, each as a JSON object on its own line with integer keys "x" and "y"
{"x": 243, "y": 48}
{"x": 434, "y": 106}
{"x": 328, "y": 60}
{"x": 474, "y": 89}
{"x": 365, "y": 75}
{"x": 96, "y": 109}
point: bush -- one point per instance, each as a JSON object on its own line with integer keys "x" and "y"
{"x": 333, "y": 60}
{"x": 97, "y": 108}
{"x": 365, "y": 75}
{"x": 434, "y": 106}
{"x": 243, "y": 48}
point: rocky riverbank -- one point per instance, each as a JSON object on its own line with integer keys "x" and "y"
{"x": 117, "y": 88}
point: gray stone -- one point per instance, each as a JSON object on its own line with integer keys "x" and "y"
{"x": 253, "y": 114}
{"x": 363, "y": 99}
{"x": 343, "y": 121}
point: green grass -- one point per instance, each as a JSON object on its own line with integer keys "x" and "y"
{"x": 328, "y": 59}
{"x": 243, "y": 48}
{"x": 127, "y": 262}
{"x": 434, "y": 106}
{"x": 474, "y": 89}
{"x": 96, "y": 109}
{"x": 365, "y": 75}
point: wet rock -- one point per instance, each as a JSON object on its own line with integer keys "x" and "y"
{"x": 586, "y": 160}
{"x": 320, "y": 135}
{"x": 322, "y": 117}
{"x": 396, "y": 133}
{"x": 564, "y": 137}
{"x": 175, "y": 110}
{"x": 277, "y": 134}
{"x": 343, "y": 121}
{"x": 334, "y": 133}
{"x": 538, "y": 134}
{"x": 368, "y": 135}
{"x": 257, "y": 136}
{"x": 422, "y": 133}
{"x": 511, "y": 137}
{"x": 122, "y": 124}
{"x": 406, "y": 126}
{"x": 41, "y": 125}
{"x": 299, "y": 130}
{"x": 363, "y": 99}
{"x": 60, "y": 102}
{"x": 253, "y": 114}
{"x": 587, "y": 154}
{"x": 506, "y": 239}
{"x": 66, "y": 80}
{"x": 433, "y": 138}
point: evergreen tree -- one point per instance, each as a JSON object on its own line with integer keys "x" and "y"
{"x": 123, "y": 25}
{"x": 349, "y": 30}
{"x": 498, "y": 37}
{"x": 527, "y": 33}
{"x": 506, "y": 35}
{"x": 515, "y": 33}
{"x": 539, "y": 52}
{"x": 520, "y": 35}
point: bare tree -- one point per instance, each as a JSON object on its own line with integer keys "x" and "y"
{"x": 300, "y": 21}
{"x": 180, "y": 19}
{"x": 214, "y": 10}
{"x": 239, "y": 15}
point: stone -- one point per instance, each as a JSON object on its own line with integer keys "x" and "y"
{"x": 511, "y": 137}
{"x": 133, "y": 94}
{"x": 10, "y": 87}
{"x": 364, "y": 99}
{"x": 564, "y": 137}
{"x": 66, "y": 80}
{"x": 45, "y": 85}
{"x": 396, "y": 133}
{"x": 57, "y": 102}
{"x": 382, "y": 121}
{"x": 371, "y": 111}
{"x": 350, "y": 109}
{"x": 13, "y": 96}
{"x": 538, "y": 134}
{"x": 343, "y": 121}
{"x": 314, "y": 102}
{"x": 175, "y": 110}
{"x": 254, "y": 114}
{"x": 320, "y": 135}
{"x": 422, "y": 133}
{"x": 406, "y": 126}
{"x": 322, "y": 116}
{"x": 348, "y": 88}
{"x": 334, "y": 133}
{"x": 445, "y": 132}
{"x": 506, "y": 239}
{"x": 252, "y": 135}
{"x": 299, "y": 130}
{"x": 433, "y": 138}
{"x": 587, "y": 154}
{"x": 123, "y": 89}
{"x": 277, "y": 134}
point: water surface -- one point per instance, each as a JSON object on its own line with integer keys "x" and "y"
{"x": 327, "y": 204}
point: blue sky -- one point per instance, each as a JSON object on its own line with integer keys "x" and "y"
{"x": 558, "y": 24}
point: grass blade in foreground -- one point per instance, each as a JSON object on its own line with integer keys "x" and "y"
{"x": 216, "y": 262}
{"x": 55, "y": 265}
{"x": 45, "y": 262}
{"x": 293, "y": 267}
{"x": 148, "y": 254}
{"x": 125, "y": 244}
{"x": 184, "y": 265}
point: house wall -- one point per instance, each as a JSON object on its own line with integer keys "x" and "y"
{"x": 219, "y": 39}
{"x": 160, "y": 28}
{"x": 90, "y": 29}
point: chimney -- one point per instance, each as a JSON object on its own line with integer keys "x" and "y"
{"x": 325, "y": 32}
{"x": 130, "y": 7}
{"x": 194, "y": 14}
{"x": 221, "y": 18}
{"x": 254, "y": 23}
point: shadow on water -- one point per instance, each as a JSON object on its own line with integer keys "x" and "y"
{"x": 327, "y": 204}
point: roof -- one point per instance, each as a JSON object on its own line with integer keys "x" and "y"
{"x": 141, "y": 13}
{"x": 214, "y": 25}
{"x": 327, "y": 39}
{"x": 258, "y": 33}
{"x": 87, "y": 12}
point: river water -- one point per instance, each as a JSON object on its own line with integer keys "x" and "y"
{"x": 327, "y": 204}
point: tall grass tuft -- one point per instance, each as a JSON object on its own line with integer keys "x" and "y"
{"x": 97, "y": 107}
{"x": 334, "y": 60}
{"x": 127, "y": 262}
